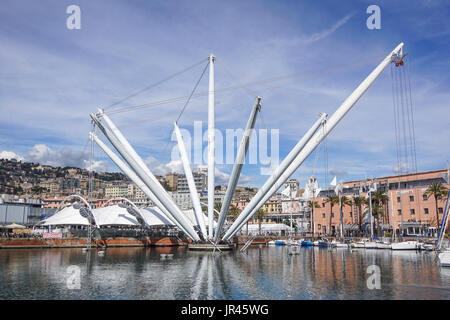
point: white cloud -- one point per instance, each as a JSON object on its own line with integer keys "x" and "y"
{"x": 8, "y": 155}
{"x": 41, "y": 153}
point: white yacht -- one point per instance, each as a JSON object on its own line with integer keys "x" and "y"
{"x": 357, "y": 245}
{"x": 370, "y": 245}
{"x": 405, "y": 245}
{"x": 444, "y": 258}
{"x": 383, "y": 245}
{"x": 336, "y": 244}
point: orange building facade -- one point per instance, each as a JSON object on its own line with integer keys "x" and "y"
{"x": 407, "y": 211}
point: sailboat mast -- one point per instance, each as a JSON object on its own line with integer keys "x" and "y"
{"x": 211, "y": 147}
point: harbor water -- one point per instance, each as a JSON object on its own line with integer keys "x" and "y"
{"x": 261, "y": 272}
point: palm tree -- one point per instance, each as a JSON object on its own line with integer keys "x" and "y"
{"x": 332, "y": 200}
{"x": 233, "y": 212}
{"x": 359, "y": 201}
{"x": 374, "y": 212}
{"x": 259, "y": 215}
{"x": 312, "y": 204}
{"x": 217, "y": 208}
{"x": 438, "y": 190}
{"x": 344, "y": 201}
{"x": 380, "y": 199}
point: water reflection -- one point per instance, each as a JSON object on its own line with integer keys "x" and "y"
{"x": 259, "y": 273}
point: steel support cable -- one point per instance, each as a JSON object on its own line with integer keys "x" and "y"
{"x": 412, "y": 118}
{"x": 226, "y": 69}
{"x": 264, "y": 89}
{"x": 395, "y": 104}
{"x": 409, "y": 120}
{"x": 404, "y": 143}
{"x": 187, "y": 102}
{"x": 193, "y": 91}
{"x": 274, "y": 79}
{"x": 173, "y": 100}
{"x": 157, "y": 83}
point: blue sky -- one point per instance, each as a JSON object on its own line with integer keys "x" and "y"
{"x": 53, "y": 77}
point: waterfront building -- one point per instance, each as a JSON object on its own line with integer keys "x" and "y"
{"x": 182, "y": 200}
{"x": 200, "y": 179}
{"x": 24, "y": 211}
{"x": 292, "y": 183}
{"x": 408, "y": 210}
{"x": 116, "y": 191}
{"x": 172, "y": 181}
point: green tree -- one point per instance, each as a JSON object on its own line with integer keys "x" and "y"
{"x": 217, "y": 208}
{"x": 233, "y": 212}
{"x": 359, "y": 202}
{"x": 380, "y": 199}
{"x": 438, "y": 191}
{"x": 344, "y": 201}
{"x": 312, "y": 205}
{"x": 332, "y": 200}
{"x": 260, "y": 215}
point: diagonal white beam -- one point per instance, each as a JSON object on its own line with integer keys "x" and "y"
{"x": 191, "y": 182}
{"x": 133, "y": 177}
{"x": 274, "y": 177}
{"x": 237, "y": 167}
{"x": 318, "y": 137}
{"x": 133, "y": 160}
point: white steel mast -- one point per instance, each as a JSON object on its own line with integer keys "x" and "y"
{"x": 211, "y": 147}
{"x": 239, "y": 162}
{"x": 133, "y": 177}
{"x": 273, "y": 183}
{"x": 135, "y": 162}
{"x": 317, "y": 137}
{"x": 191, "y": 183}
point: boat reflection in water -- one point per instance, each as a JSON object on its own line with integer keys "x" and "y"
{"x": 263, "y": 272}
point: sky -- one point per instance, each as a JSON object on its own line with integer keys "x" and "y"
{"x": 301, "y": 57}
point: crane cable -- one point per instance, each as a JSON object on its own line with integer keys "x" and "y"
{"x": 324, "y": 71}
{"x": 155, "y": 84}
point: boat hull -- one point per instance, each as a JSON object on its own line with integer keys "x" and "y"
{"x": 357, "y": 245}
{"x": 407, "y": 245}
{"x": 381, "y": 245}
{"x": 370, "y": 245}
{"x": 444, "y": 258}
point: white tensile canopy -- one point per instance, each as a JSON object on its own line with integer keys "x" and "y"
{"x": 154, "y": 216}
{"x": 67, "y": 216}
{"x": 114, "y": 215}
{"x": 266, "y": 228}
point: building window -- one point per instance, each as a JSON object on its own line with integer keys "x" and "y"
{"x": 332, "y": 215}
{"x": 440, "y": 210}
{"x": 413, "y": 211}
{"x": 411, "y": 198}
{"x": 425, "y": 210}
{"x": 323, "y": 204}
{"x": 351, "y": 214}
{"x": 399, "y": 212}
{"x": 439, "y": 197}
{"x": 425, "y": 197}
{"x": 398, "y": 199}
{"x": 323, "y": 215}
